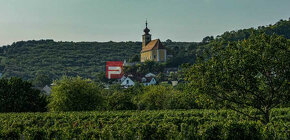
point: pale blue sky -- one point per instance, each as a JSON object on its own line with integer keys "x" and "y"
{"x": 123, "y": 20}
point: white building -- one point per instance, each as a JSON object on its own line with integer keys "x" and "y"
{"x": 147, "y": 81}
{"x": 47, "y": 90}
{"x": 174, "y": 83}
{"x": 127, "y": 82}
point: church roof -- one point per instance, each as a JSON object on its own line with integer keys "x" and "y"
{"x": 153, "y": 45}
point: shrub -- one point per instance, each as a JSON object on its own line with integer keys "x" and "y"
{"x": 75, "y": 94}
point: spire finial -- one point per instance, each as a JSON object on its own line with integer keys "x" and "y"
{"x": 146, "y": 30}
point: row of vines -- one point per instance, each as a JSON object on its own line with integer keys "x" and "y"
{"x": 167, "y": 124}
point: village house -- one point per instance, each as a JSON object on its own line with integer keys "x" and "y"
{"x": 147, "y": 81}
{"x": 129, "y": 80}
{"x": 126, "y": 81}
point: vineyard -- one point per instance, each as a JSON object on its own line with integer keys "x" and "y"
{"x": 165, "y": 124}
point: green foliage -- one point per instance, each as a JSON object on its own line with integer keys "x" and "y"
{"x": 28, "y": 59}
{"x": 41, "y": 80}
{"x": 144, "y": 68}
{"x": 207, "y": 39}
{"x": 183, "y": 98}
{"x": 54, "y": 59}
{"x": 251, "y": 73}
{"x": 155, "y": 97}
{"x": 164, "y": 97}
{"x": 282, "y": 27}
{"x": 17, "y": 95}
{"x": 121, "y": 99}
{"x": 168, "y": 124}
{"x": 75, "y": 94}
{"x": 135, "y": 58}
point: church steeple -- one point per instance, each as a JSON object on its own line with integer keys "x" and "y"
{"x": 146, "y": 38}
{"x": 146, "y": 30}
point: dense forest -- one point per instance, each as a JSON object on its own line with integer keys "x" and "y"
{"x": 47, "y": 59}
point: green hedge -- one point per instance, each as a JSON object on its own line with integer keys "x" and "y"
{"x": 167, "y": 124}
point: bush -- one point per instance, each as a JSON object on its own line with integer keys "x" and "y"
{"x": 120, "y": 100}
{"x": 155, "y": 97}
{"x": 75, "y": 94}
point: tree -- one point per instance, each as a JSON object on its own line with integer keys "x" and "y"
{"x": 120, "y": 100}
{"x": 155, "y": 97}
{"x": 41, "y": 80}
{"x": 135, "y": 58}
{"x": 173, "y": 76}
{"x": 168, "y": 41}
{"x": 182, "y": 98}
{"x": 150, "y": 66}
{"x": 17, "y": 95}
{"x": 75, "y": 94}
{"x": 207, "y": 39}
{"x": 253, "y": 73}
{"x": 101, "y": 77}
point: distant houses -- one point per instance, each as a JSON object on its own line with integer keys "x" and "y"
{"x": 129, "y": 80}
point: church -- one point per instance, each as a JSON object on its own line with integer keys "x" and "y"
{"x": 152, "y": 50}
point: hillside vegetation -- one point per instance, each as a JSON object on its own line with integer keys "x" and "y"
{"x": 29, "y": 59}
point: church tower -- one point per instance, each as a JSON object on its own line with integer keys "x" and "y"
{"x": 152, "y": 50}
{"x": 146, "y": 38}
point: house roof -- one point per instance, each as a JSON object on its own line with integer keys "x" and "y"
{"x": 150, "y": 75}
{"x": 153, "y": 45}
{"x": 148, "y": 79}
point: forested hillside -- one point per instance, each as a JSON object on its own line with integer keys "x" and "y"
{"x": 27, "y": 59}
{"x": 282, "y": 27}
{"x": 32, "y": 59}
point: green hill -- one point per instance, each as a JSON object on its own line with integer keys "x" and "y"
{"x": 28, "y": 59}
{"x": 282, "y": 27}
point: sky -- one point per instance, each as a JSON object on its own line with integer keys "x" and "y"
{"x": 124, "y": 20}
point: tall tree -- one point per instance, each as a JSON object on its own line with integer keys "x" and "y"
{"x": 17, "y": 95}
{"x": 251, "y": 73}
